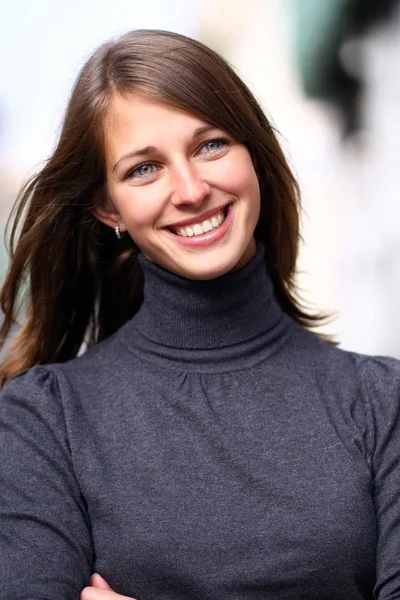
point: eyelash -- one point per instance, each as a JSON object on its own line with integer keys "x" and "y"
{"x": 221, "y": 140}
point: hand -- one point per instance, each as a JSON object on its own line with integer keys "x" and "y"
{"x": 100, "y": 590}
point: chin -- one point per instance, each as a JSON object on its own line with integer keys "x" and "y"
{"x": 205, "y": 265}
{"x": 206, "y": 275}
{"x": 208, "y": 270}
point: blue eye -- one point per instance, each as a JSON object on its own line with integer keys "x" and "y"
{"x": 213, "y": 146}
{"x": 143, "y": 171}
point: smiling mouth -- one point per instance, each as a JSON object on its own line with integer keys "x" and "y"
{"x": 202, "y": 227}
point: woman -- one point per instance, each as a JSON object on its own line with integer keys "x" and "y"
{"x": 210, "y": 446}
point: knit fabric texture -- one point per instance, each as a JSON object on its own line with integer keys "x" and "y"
{"x": 212, "y": 449}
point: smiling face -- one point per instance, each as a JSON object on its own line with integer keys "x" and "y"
{"x": 186, "y": 192}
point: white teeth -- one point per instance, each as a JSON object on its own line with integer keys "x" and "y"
{"x": 204, "y": 227}
{"x": 214, "y": 222}
{"x": 197, "y": 229}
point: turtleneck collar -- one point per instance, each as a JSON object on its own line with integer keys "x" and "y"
{"x": 232, "y": 313}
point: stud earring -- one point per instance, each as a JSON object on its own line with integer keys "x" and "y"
{"x": 118, "y": 232}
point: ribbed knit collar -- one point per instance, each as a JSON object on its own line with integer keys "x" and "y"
{"x": 236, "y": 311}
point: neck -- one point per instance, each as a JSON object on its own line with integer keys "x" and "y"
{"x": 184, "y": 313}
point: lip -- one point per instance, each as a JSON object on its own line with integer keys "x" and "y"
{"x": 206, "y": 239}
{"x": 198, "y": 219}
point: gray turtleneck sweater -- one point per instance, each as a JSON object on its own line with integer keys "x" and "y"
{"x": 211, "y": 449}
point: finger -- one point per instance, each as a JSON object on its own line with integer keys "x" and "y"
{"x": 98, "y": 581}
{"x": 92, "y": 593}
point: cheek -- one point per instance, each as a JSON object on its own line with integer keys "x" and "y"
{"x": 246, "y": 185}
{"x": 137, "y": 209}
{"x": 242, "y": 178}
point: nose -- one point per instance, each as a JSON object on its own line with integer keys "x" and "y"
{"x": 187, "y": 186}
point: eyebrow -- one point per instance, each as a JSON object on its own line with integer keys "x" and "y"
{"x": 149, "y": 149}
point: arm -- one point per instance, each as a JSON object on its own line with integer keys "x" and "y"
{"x": 381, "y": 391}
{"x": 45, "y": 542}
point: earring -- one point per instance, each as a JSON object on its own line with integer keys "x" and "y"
{"x": 118, "y": 232}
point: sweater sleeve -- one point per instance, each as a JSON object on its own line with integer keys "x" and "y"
{"x": 45, "y": 542}
{"x": 380, "y": 380}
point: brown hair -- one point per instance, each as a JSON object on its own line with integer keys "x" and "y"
{"x": 69, "y": 277}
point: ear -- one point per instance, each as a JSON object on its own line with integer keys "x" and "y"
{"x": 107, "y": 213}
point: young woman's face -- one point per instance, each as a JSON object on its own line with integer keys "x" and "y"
{"x": 186, "y": 192}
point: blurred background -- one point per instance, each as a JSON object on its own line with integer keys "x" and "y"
{"x": 328, "y": 75}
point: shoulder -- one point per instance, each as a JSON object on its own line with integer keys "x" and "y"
{"x": 31, "y": 408}
{"x": 99, "y": 362}
{"x": 379, "y": 383}
{"x": 374, "y": 402}
{"x": 375, "y": 378}
{"x": 37, "y": 384}
{"x": 362, "y": 383}
{"x": 361, "y": 394}
{"x": 335, "y": 363}
{"x": 378, "y": 373}
{"x": 81, "y": 384}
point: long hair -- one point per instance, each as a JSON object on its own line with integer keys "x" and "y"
{"x": 70, "y": 281}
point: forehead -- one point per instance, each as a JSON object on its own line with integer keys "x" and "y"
{"x": 134, "y": 122}
{"x": 138, "y": 116}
